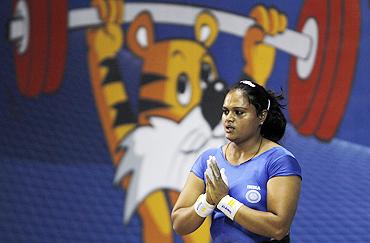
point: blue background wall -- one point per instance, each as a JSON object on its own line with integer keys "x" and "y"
{"x": 56, "y": 172}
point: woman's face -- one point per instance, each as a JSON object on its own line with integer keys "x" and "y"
{"x": 239, "y": 117}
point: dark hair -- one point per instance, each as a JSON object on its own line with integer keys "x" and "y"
{"x": 274, "y": 125}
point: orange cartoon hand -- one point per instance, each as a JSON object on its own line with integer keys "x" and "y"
{"x": 108, "y": 37}
{"x": 259, "y": 57}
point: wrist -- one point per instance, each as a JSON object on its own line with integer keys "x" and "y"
{"x": 209, "y": 200}
{"x": 202, "y": 207}
{"x": 229, "y": 206}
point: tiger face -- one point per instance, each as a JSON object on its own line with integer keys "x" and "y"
{"x": 173, "y": 72}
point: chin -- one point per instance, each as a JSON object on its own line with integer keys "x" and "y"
{"x": 229, "y": 137}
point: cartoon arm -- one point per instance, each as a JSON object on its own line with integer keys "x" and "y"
{"x": 259, "y": 58}
{"x": 104, "y": 43}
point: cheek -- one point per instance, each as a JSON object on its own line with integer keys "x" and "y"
{"x": 249, "y": 124}
{"x": 223, "y": 117}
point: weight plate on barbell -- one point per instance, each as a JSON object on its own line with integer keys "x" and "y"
{"x": 302, "y": 90}
{"x": 57, "y": 45}
{"x": 326, "y": 82}
{"x": 347, "y": 60}
{"x": 30, "y": 65}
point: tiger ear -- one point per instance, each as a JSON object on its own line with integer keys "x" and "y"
{"x": 141, "y": 33}
{"x": 206, "y": 28}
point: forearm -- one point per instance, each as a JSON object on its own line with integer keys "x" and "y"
{"x": 186, "y": 220}
{"x": 262, "y": 223}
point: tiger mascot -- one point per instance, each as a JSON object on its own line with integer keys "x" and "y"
{"x": 157, "y": 126}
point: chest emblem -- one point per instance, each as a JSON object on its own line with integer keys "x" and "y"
{"x": 253, "y": 195}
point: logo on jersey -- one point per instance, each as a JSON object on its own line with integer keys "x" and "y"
{"x": 253, "y": 195}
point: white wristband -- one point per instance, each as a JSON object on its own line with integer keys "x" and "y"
{"x": 229, "y": 206}
{"x": 202, "y": 207}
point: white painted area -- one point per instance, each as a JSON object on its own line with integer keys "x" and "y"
{"x": 304, "y": 66}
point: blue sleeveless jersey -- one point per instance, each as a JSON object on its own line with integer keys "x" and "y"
{"x": 247, "y": 184}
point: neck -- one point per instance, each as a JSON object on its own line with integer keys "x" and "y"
{"x": 243, "y": 152}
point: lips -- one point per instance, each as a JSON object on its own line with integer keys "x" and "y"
{"x": 229, "y": 128}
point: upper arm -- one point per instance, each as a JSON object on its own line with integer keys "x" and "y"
{"x": 282, "y": 197}
{"x": 194, "y": 186}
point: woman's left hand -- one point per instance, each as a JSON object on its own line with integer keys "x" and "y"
{"x": 216, "y": 188}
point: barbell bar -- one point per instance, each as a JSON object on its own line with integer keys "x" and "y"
{"x": 313, "y": 71}
{"x": 22, "y": 27}
{"x": 173, "y": 14}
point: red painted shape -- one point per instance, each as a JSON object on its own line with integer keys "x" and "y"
{"x": 339, "y": 96}
{"x": 329, "y": 69}
{"x": 302, "y": 93}
{"x": 57, "y": 45}
{"x": 38, "y": 46}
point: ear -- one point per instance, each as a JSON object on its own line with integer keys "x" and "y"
{"x": 206, "y": 28}
{"x": 262, "y": 116}
{"x": 141, "y": 33}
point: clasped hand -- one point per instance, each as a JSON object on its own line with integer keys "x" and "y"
{"x": 216, "y": 182}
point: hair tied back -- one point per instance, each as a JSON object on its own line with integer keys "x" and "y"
{"x": 247, "y": 82}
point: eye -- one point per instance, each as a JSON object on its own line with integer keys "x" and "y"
{"x": 225, "y": 111}
{"x": 238, "y": 113}
{"x": 183, "y": 89}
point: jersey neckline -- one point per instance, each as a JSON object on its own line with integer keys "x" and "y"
{"x": 249, "y": 160}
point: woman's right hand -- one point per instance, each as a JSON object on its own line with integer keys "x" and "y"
{"x": 208, "y": 194}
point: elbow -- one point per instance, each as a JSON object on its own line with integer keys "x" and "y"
{"x": 176, "y": 226}
{"x": 280, "y": 233}
{"x": 179, "y": 226}
{"x": 178, "y": 229}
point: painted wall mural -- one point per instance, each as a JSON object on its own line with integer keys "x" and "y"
{"x": 106, "y": 104}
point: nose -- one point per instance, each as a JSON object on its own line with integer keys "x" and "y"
{"x": 212, "y": 100}
{"x": 229, "y": 117}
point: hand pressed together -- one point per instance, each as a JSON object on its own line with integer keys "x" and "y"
{"x": 216, "y": 188}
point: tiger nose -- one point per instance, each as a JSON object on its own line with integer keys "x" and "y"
{"x": 212, "y": 100}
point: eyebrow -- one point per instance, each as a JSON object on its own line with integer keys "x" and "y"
{"x": 236, "y": 107}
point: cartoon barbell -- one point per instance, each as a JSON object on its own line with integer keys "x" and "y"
{"x": 324, "y": 48}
